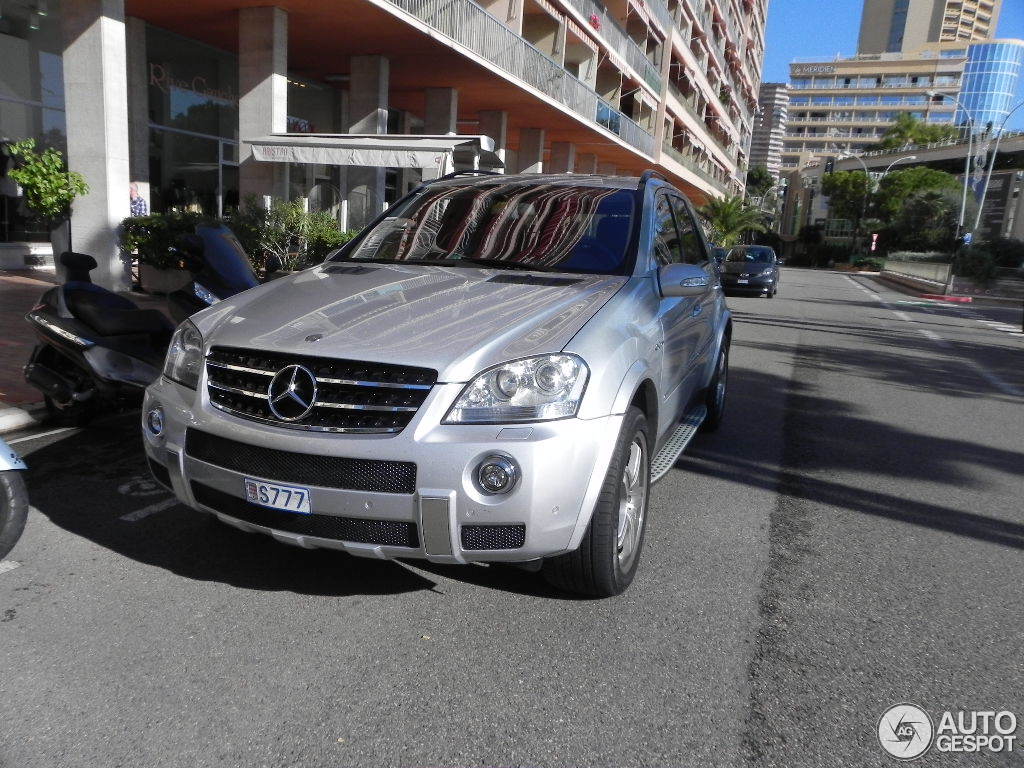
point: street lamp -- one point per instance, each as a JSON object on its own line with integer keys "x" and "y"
{"x": 906, "y": 159}
{"x": 992, "y": 165}
{"x": 968, "y": 159}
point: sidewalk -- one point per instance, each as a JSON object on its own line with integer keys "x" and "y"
{"x": 19, "y": 292}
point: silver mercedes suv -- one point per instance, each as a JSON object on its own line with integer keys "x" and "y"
{"x": 494, "y": 370}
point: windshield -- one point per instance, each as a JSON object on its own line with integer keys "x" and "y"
{"x": 751, "y": 255}
{"x": 508, "y": 225}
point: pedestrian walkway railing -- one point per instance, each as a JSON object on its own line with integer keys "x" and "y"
{"x": 471, "y": 26}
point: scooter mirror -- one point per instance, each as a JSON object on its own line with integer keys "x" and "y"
{"x": 273, "y": 264}
{"x": 190, "y": 251}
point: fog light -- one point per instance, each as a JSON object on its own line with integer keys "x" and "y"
{"x": 497, "y": 474}
{"x": 155, "y": 421}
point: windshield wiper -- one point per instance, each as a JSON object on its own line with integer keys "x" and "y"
{"x": 502, "y": 264}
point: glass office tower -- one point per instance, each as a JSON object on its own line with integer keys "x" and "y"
{"x": 991, "y": 80}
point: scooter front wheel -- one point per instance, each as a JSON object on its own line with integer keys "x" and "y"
{"x": 13, "y": 509}
{"x": 75, "y": 414}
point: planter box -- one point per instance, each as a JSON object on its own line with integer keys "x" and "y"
{"x": 162, "y": 281}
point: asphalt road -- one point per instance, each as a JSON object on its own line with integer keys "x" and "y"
{"x": 850, "y": 539}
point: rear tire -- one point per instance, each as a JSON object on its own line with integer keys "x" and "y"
{"x": 607, "y": 559}
{"x": 13, "y": 509}
{"x": 717, "y": 390}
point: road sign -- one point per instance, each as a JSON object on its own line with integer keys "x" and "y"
{"x": 968, "y": 237}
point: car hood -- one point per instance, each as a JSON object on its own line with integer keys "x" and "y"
{"x": 455, "y": 320}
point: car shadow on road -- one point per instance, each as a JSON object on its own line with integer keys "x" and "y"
{"x": 75, "y": 482}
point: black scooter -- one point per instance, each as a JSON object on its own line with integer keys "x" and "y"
{"x": 98, "y": 351}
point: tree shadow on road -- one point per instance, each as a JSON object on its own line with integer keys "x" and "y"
{"x": 825, "y": 435}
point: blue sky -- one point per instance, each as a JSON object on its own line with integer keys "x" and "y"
{"x": 812, "y": 28}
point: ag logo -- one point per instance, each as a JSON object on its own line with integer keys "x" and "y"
{"x": 905, "y": 731}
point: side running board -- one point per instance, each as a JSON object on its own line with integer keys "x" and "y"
{"x": 685, "y": 432}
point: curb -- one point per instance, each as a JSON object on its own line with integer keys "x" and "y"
{"x": 954, "y": 299}
{"x": 13, "y": 418}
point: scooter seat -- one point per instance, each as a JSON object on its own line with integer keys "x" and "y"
{"x": 112, "y": 315}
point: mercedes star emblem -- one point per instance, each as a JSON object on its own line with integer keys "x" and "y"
{"x": 292, "y": 393}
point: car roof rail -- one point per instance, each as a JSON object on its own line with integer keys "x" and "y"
{"x": 649, "y": 174}
{"x": 468, "y": 172}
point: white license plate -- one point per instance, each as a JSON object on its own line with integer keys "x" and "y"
{"x": 286, "y": 497}
{"x": 742, "y": 282}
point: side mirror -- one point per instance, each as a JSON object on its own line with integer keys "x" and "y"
{"x": 683, "y": 280}
{"x": 779, "y": 262}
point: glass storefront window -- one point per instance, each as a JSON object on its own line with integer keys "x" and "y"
{"x": 31, "y": 101}
{"x": 192, "y": 87}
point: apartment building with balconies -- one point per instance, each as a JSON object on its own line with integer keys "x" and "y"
{"x": 770, "y": 124}
{"x": 894, "y": 26}
{"x": 845, "y": 105}
{"x": 206, "y": 105}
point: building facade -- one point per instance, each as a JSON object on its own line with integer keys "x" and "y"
{"x": 845, "y": 105}
{"x": 898, "y": 26}
{"x": 173, "y": 96}
{"x": 770, "y": 127}
{"x": 992, "y": 76}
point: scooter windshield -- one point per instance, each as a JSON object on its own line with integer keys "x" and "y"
{"x": 226, "y": 261}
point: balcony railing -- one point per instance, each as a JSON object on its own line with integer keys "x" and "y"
{"x": 624, "y": 127}
{"x": 693, "y": 165}
{"x": 471, "y": 26}
{"x": 619, "y": 41}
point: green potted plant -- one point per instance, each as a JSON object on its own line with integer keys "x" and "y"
{"x": 49, "y": 189}
{"x": 153, "y": 239}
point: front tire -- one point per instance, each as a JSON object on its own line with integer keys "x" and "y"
{"x": 607, "y": 559}
{"x": 13, "y": 509}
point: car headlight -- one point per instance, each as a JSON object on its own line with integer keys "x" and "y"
{"x": 203, "y": 294}
{"x": 767, "y": 274}
{"x": 532, "y": 389}
{"x": 184, "y": 361}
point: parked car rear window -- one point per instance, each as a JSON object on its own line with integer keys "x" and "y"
{"x": 752, "y": 254}
{"x": 546, "y": 226}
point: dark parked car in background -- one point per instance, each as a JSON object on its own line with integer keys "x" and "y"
{"x": 752, "y": 269}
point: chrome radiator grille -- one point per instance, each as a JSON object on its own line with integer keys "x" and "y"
{"x": 316, "y": 393}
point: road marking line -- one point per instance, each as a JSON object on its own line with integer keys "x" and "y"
{"x": 41, "y": 434}
{"x": 985, "y": 373}
{"x": 152, "y": 509}
{"x": 8, "y": 565}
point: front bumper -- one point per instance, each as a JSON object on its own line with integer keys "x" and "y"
{"x": 562, "y": 465}
{"x": 753, "y": 285}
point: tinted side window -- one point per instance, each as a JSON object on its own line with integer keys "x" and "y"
{"x": 667, "y": 246}
{"x": 693, "y": 246}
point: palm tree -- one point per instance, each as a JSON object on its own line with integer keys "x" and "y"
{"x": 730, "y": 218}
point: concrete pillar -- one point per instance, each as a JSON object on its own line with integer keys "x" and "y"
{"x": 607, "y": 169}
{"x": 531, "y": 150}
{"x": 96, "y": 101}
{"x": 138, "y": 106}
{"x": 494, "y": 123}
{"x": 563, "y": 157}
{"x": 586, "y": 163}
{"x": 368, "y": 113}
{"x": 441, "y": 115}
{"x": 263, "y": 95}
{"x": 511, "y": 161}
